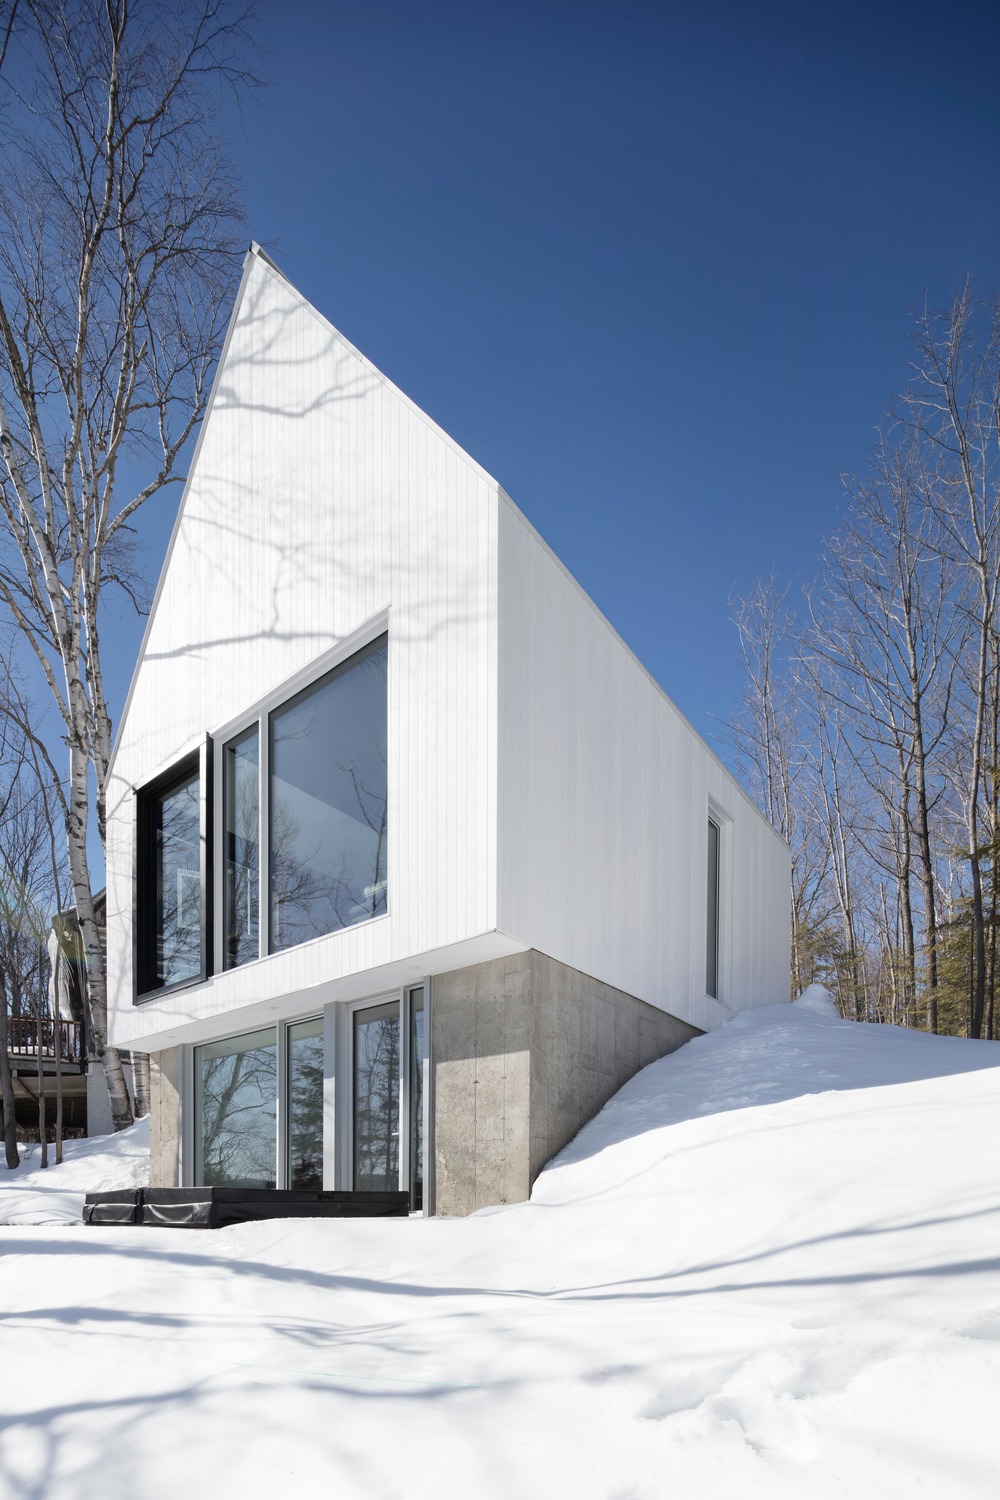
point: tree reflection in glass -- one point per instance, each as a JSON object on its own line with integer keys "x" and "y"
{"x": 418, "y": 1052}
{"x": 178, "y": 884}
{"x": 376, "y": 1099}
{"x": 235, "y": 1092}
{"x": 305, "y": 1104}
{"x": 328, "y": 803}
{"x": 242, "y": 848}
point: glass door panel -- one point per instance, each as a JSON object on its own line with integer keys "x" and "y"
{"x": 304, "y": 1148}
{"x": 376, "y": 1098}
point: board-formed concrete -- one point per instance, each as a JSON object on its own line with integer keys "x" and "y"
{"x": 524, "y": 1051}
{"x": 164, "y": 1117}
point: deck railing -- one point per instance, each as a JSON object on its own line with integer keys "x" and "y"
{"x": 23, "y": 1038}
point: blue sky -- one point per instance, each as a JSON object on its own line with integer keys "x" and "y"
{"x": 650, "y": 264}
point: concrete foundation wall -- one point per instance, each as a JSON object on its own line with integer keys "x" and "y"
{"x": 165, "y": 1118}
{"x": 525, "y": 1050}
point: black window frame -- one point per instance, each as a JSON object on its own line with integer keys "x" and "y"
{"x": 144, "y": 986}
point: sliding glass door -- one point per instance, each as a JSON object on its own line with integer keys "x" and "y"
{"x": 261, "y": 1102}
{"x": 388, "y": 1055}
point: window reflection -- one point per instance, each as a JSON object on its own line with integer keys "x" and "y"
{"x": 417, "y": 1054}
{"x": 376, "y": 1099}
{"x": 176, "y": 852}
{"x": 328, "y": 803}
{"x": 242, "y": 849}
{"x": 236, "y": 1083}
{"x": 305, "y": 1104}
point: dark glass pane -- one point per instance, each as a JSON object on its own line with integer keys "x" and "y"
{"x": 712, "y": 957}
{"x": 376, "y": 1099}
{"x": 305, "y": 1104}
{"x": 177, "y": 864}
{"x": 241, "y": 774}
{"x": 235, "y": 1093}
{"x": 328, "y": 803}
{"x": 417, "y": 1055}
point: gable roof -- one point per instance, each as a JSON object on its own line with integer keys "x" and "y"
{"x": 257, "y": 256}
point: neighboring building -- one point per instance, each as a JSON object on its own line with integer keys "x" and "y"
{"x": 47, "y": 1043}
{"x": 411, "y": 864}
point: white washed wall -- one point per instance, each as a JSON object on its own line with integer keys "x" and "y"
{"x": 320, "y": 497}
{"x": 603, "y": 800}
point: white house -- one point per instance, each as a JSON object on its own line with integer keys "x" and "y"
{"x": 410, "y": 862}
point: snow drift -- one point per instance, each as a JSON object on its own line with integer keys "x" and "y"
{"x": 768, "y": 1268}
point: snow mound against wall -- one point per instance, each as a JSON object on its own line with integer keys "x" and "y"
{"x": 818, "y": 1001}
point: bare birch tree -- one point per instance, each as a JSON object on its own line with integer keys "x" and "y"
{"x": 772, "y": 737}
{"x": 954, "y": 408}
{"x": 880, "y": 731}
{"x": 890, "y": 626}
{"x": 28, "y": 893}
{"x": 118, "y": 252}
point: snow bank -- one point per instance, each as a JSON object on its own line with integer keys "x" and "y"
{"x": 768, "y": 1269}
{"x": 29, "y": 1195}
{"x": 816, "y": 999}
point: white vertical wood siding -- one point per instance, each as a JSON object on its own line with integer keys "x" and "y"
{"x": 542, "y": 789}
{"x": 321, "y": 497}
{"x": 604, "y": 793}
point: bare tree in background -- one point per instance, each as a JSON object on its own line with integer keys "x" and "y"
{"x": 880, "y": 729}
{"x": 954, "y": 408}
{"x": 889, "y": 625}
{"x": 118, "y": 254}
{"x": 772, "y": 736}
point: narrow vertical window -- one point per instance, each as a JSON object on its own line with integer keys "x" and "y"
{"x": 241, "y": 782}
{"x": 418, "y": 1052}
{"x": 304, "y": 1168}
{"x": 170, "y": 896}
{"x": 712, "y": 925}
{"x": 376, "y": 1099}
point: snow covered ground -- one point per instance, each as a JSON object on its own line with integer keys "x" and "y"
{"x": 29, "y": 1195}
{"x": 769, "y": 1268}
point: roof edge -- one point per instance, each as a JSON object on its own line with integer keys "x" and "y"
{"x": 261, "y": 254}
{"x": 253, "y": 250}
{"x": 533, "y": 531}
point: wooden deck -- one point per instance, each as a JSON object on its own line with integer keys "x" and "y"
{"x": 27, "y": 1036}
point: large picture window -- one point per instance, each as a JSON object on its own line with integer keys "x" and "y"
{"x": 301, "y": 838}
{"x": 171, "y": 880}
{"x": 262, "y": 1108}
{"x": 235, "y": 1094}
{"x": 305, "y": 785}
{"x": 327, "y": 823}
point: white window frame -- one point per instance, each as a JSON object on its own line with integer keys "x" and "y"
{"x": 281, "y": 1101}
{"x": 338, "y": 1092}
{"x": 259, "y": 716}
{"x": 341, "y": 1026}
